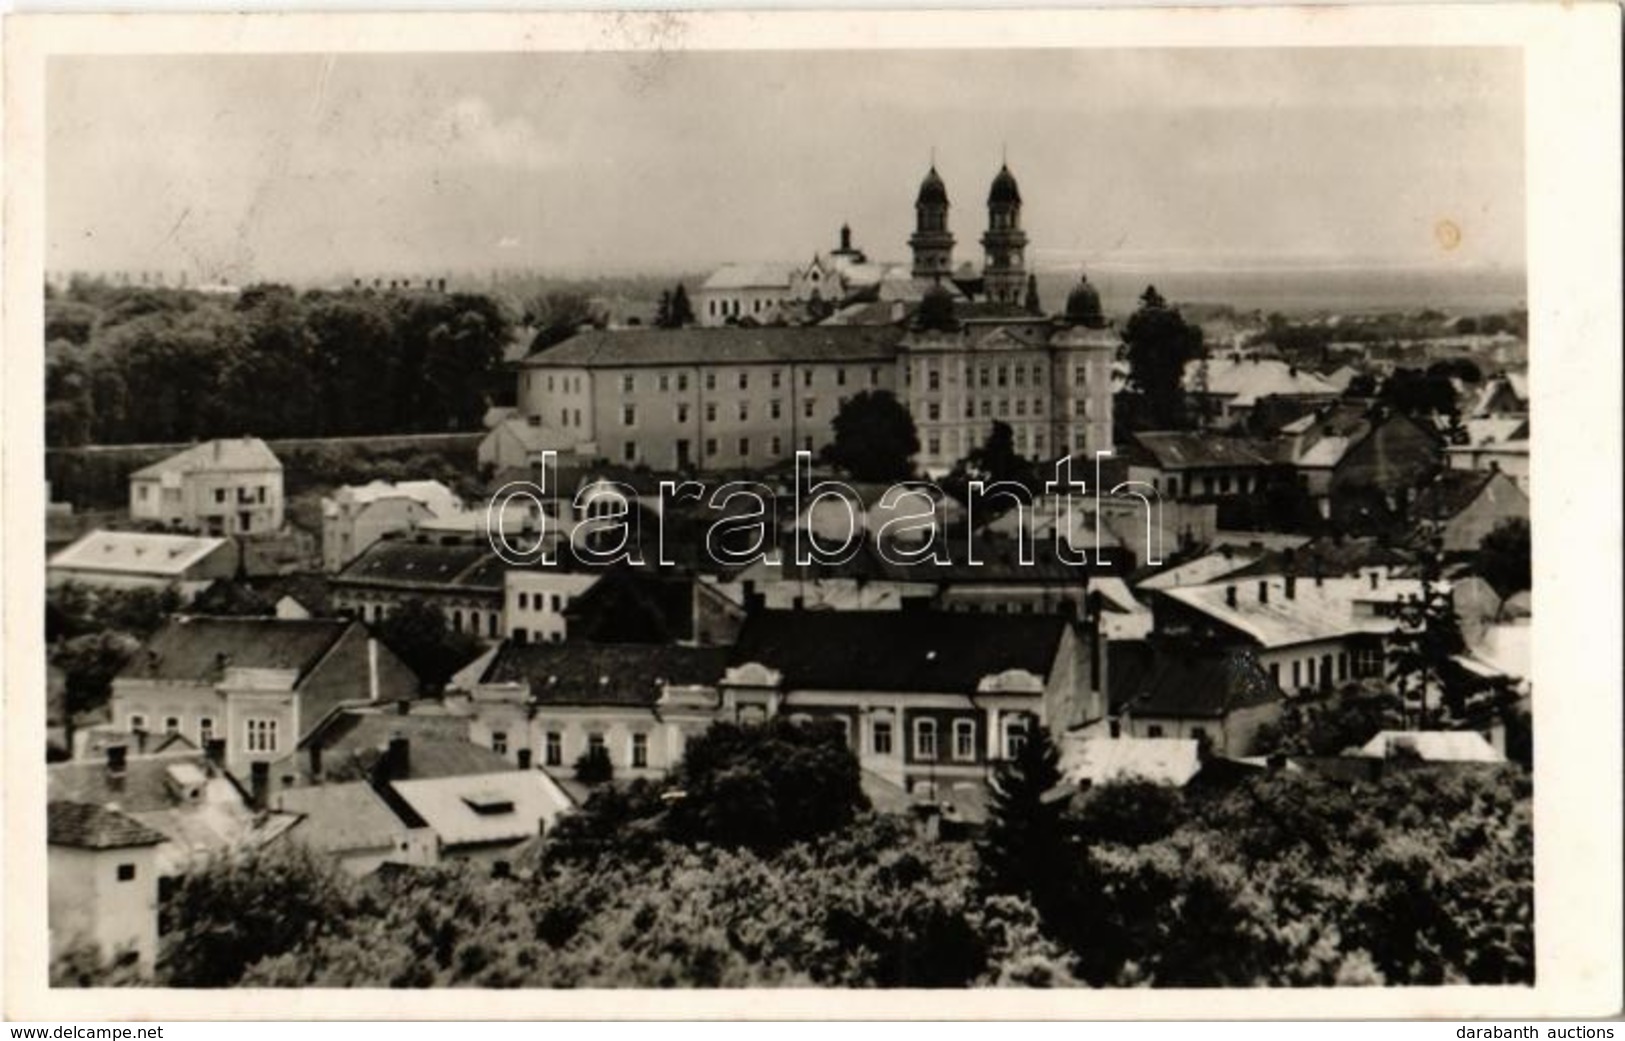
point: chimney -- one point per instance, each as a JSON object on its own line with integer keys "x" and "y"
{"x": 372, "y": 669}
{"x": 315, "y": 752}
{"x": 117, "y": 759}
{"x": 846, "y": 239}
{"x": 1291, "y": 586}
{"x": 259, "y": 784}
{"x": 398, "y": 759}
{"x": 1376, "y": 577}
{"x": 1264, "y": 592}
{"x": 1230, "y": 596}
{"x": 524, "y": 759}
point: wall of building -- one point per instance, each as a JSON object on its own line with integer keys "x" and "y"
{"x": 356, "y": 526}
{"x": 88, "y": 901}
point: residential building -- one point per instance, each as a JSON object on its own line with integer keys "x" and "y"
{"x": 402, "y": 741}
{"x": 535, "y": 603}
{"x": 230, "y": 486}
{"x": 354, "y": 825}
{"x": 1189, "y": 465}
{"x": 1216, "y": 697}
{"x": 258, "y": 684}
{"x": 460, "y": 574}
{"x": 928, "y": 700}
{"x": 547, "y": 704}
{"x": 102, "y": 886}
{"x": 1229, "y": 387}
{"x": 1092, "y": 761}
{"x": 736, "y": 291}
{"x": 356, "y": 516}
{"x": 1463, "y": 506}
{"x": 1510, "y": 457}
{"x": 485, "y": 818}
{"x": 138, "y": 559}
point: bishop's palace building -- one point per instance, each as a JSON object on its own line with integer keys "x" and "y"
{"x": 778, "y": 349}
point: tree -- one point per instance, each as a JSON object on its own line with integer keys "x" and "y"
{"x": 1023, "y": 849}
{"x": 1420, "y": 652}
{"x": 90, "y": 663}
{"x": 1419, "y": 394}
{"x": 557, "y": 316}
{"x": 875, "y": 439}
{"x": 663, "y": 310}
{"x": 245, "y": 906}
{"x": 1160, "y": 344}
{"x": 682, "y": 312}
{"x": 764, "y": 786}
{"x": 1503, "y": 557}
{"x": 419, "y": 635}
{"x": 995, "y": 461}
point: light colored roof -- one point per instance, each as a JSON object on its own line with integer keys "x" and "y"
{"x": 1318, "y": 610}
{"x": 235, "y": 453}
{"x": 136, "y": 552}
{"x": 750, "y": 276}
{"x": 340, "y": 818}
{"x": 1104, "y": 760}
{"x": 1327, "y": 452}
{"x": 1490, "y": 430}
{"x": 486, "y": 808}
{"x": 1506, "y": 647}
{"x": 1204, "y": 569}
{"x": 1434, "y": 746}
{"x": 1248, "y": 379}
{"x": 437, "y": 497}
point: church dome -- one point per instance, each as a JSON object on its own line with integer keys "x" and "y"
{"x": 1004, "y": 190}
{"x": 932, "y": 191}
{"x": 1083, "y": 305}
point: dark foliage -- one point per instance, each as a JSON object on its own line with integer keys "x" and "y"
{"x": 875, "y": 439}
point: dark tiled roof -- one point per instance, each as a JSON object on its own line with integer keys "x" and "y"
{"x": 764, "y": 345}
{"x": 353, "y": 742}
{"x": 194, "y": 648}
{"x": 896, "y": 650}
{"x": 1181, "y": 449}
{"x": 1161, "y": 680}
{"x": 1324, "y": 556}
{"x": 604, "y": 674}
{"x": 1450, "y": 492}
{"x": 425, "y": 561}
{"x": 88, "y": 826}
{"x": 630, "y": 606}
{"x": 142, "y": 788}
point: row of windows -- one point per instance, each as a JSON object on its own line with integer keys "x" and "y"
{"x": 1026, "y": 441}
{"x": 567, "y": 384}
{"x": 476, "y": 620}
{"x": 987, "y": 375}
{"x": 933, "y": 409}
{"x": 172, "y": 725}
{"x": 553, "y": 602}
{"x": 713, "y": 448}
{"x": 637, "y": 748}
{"x": 664, "y": 381}
{"x": 1312, "y": 671}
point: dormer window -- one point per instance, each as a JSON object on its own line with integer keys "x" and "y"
{"x": 488, "y": 803}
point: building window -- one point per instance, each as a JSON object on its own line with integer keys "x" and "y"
{"x": 925, "y": 739}
{"x": 126, "y": 872}
{"x": 777, "y": 446}
{"x": 205, "y": 730}
{"x": 744, "y": 447}
{"x": 629, "y": 452}
{"x": 682, "y": 413}
{"x": 137, "y": 722}
{"x": 933, "y": 379}
{"x": 640, "y": 751}
{"x": 1153, "y": 731}
{"x": 172, "y": 724}
{"x": 499, "y": 742}
{"x": 874, "y": 376}
{"x": 1275, "y": 673}
{"x": 219, "y": 495}
{"x": 774, "y": 408}
{"x": 553, "y": 748}
{"x": 629, "y": 415}
{"x": 775, "y": 379}
{"x": 491, "y": 624}
{"x": 806, "y": 377}
{"x": 682, "y": 381}
{"x": 964, "y": 739}
{"x": 710, "y": 446}
{"x": 628, "y": 383}
{"x": 595, "y": 743}
{"x": 744, "y": 381}
{"x": 744, "y": 411}
{"x": 261, "y": 735}
{"x": 665, "y": 383}
{"x": 1297, "y": 674}
{"x": 933, "y": 446}
{"x": 524, "y": 601}
{"x": 1015, "y": 736}
{"x": 807, "y": 408}
{"x": 881, "y": 738}
{"x": 933, "y": 411}
{"x": 840, "y": 377}
{"x": 1004, "y": 375}
{"x": 710, "y": 381}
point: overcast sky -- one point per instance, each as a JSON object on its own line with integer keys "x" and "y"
{"x": 301, "y": 167}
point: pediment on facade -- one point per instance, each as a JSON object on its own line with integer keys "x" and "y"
{"x": 1011, "y": 681}
{"x": 752, "y": 674}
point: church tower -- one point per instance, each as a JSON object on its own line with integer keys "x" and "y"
{"x": 932, "y": 242}
{"x": 1004, "y": 272}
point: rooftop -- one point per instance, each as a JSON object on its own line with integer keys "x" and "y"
{"x": 339, "y": 818}
{"x": 489, "y": 809}
{"x": 1151, "y": 679}
{"x": 908, "y": 650}
{"x": 136, "y": 552}
{"x": 200, "y": 649}
{"x": 88, "y": 826}
{"x": 225, "y": 454}
{"x": 1318, "y": 610}
{"x": 763, "y": 345}
{"x": 627, "y": 674}
{"x": 1245, "y": 380}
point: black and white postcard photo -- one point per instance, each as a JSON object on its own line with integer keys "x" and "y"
{"x": 960, "y": 514}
